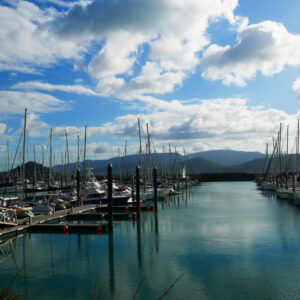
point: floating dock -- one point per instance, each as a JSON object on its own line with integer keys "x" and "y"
{"x": 53, "y": 222}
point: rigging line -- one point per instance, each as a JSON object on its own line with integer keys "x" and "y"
{"x": 16, "y": 153}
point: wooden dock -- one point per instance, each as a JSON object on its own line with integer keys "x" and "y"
{"x": 48, "y": 223}
{"x": 24, "y": 224}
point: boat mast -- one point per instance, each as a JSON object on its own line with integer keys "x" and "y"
{"x": 78, "y": 153}
{"x": 62, "y": 168}
{"x": 297, "y": 154}
{"x": 34, "y": 169}
{"x": 125, "y": 160}
{"x": 24, "y": 153}
{"x": 8, "y": 164}
{"x": 280, "y": 154}
{"x": 140, "y": 139}
{"x": 119, "y": 156}
{"x": 149, "y": 152}
{"x": 170, "y": 162}
{"x": 287, "y": 158}
{"x": 50, "y": 159}
{"x": 84, "y": 152}
{"x": 68, "y": 156}
{"x": 43, "y": 161}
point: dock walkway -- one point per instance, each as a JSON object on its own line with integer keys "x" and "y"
{"x": 24, "y": 224}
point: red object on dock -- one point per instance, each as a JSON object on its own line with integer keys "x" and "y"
{"x": 66, "y": 228}
{"x": 148, "y": 208}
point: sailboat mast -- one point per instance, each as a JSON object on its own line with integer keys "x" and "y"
{"x": 78, "y": 153}
{"x": 43, "y": 161}
{"x": 125, "y": 160}
{"x": 68, "y": 156}
{"x": 50, "y": 159}
{"x": 84, "y": 152}
{"x": 119, "y": 156}
{"x": 24, "y": 152}
{"x": 297, "y": 152}
{"x": 140, "y": 139}
{"x": 149, "y": 152}
{"x": 34, "y": 168}
{"x": 8, "y": 163}
{"x": 287, "y": 157}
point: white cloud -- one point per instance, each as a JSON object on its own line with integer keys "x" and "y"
{"x": 26, "y": 44}
{"x": 266, "y": 47}
{"x": 173, "y": 31}
{"x": 296, "y": 87}
{"x": 205, "y": 124}
{"x": 38, "y": 85}
{"x": 35, "y": 127}
{"x": 14, "y": 102}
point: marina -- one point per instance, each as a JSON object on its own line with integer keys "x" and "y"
{"x": 149, "y": 149}
{"x": 228, "y": 239}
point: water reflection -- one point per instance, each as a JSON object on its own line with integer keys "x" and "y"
{"x": 139, "y": 243}
{"x": 7, "y": 248}
{"x": 111, "y": 263}
{"x": 230, "y": 240}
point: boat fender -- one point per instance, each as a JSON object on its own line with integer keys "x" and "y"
{"x": 66, "y": 228}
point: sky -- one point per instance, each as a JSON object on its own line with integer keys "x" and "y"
{"x": 205, "y": 75}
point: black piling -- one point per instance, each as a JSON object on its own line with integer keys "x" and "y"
{"x": 137, "y": 188}
{"x": 110, "y": 196}
{"x": 155, "y": 187}
{"x": 78, "y": 187}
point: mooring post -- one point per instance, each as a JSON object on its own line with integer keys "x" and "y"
{"x": 155, "y": 187}
{"x": 137, "y": 188}
{"x": 78, "y": 187}
{"x": 110, "y": 196}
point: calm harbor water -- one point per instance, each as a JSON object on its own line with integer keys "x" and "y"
{"x": 229, "y": 239}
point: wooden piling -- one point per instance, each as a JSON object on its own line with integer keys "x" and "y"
{"x": 137, "y": 183}
{"x": 110, "y": 196}
{"x": 155, "y": 187}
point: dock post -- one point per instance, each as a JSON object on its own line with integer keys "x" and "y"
{"x": 78, "y": 187}
{"x": 110, "y": 196}
{"x": 155, "y": 187}
{"x": 137, "y": 183}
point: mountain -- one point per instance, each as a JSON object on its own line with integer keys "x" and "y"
{"x": 227, "y": 157}
{"x": 207, "y": 161}
{"x": 200, "y": 165}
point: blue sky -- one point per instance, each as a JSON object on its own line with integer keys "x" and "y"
{"x": 210, "y": 74}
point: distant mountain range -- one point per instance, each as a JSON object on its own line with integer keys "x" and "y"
{"x": 215, "y": 161}
{"x": 227, "y": 157}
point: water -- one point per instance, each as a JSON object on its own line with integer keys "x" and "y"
{"x": 230, "y": 241}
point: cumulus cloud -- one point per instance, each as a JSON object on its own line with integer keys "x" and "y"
{"x": 204, "y": 124}
{"x": 26, "y": 44}
{"x": 38, "y": 85}
{"x": 36, "y": 127}
{"x": 14, "y": 102}
{"x": 266, "y": 47}
{"x": 125, "y": 27}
